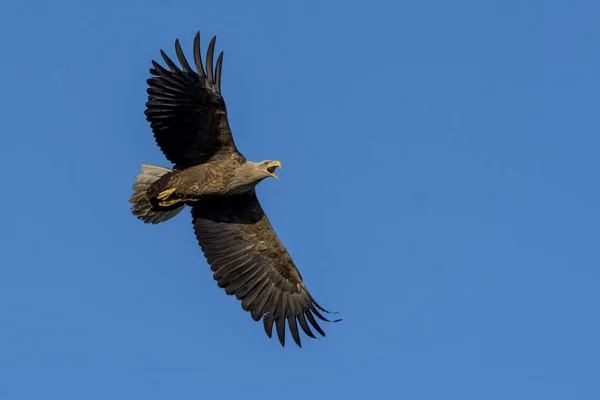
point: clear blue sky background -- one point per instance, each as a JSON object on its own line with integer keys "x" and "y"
{"x": 440, "y": 189}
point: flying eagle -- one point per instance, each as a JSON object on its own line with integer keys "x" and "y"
{"x": 188, "y": 117}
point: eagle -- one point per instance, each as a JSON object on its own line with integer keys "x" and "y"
{"x": 188, "y": 118}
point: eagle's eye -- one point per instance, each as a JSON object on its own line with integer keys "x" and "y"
{"x": 271, "y": 170}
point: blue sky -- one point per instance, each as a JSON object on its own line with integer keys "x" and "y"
{"x": 439, "y": 189}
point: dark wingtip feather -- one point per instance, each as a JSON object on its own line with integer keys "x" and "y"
{"x": 304, "y": 326}
{"x": 198, "y": 55}
{"x": 318, "y": 314}
{"x": 172, "y": 66}
{"x": 268, "y": 324}
{"x": 321, "y": 317}
{"x": 315, "y": 304}
{"x": 218, "y": 73}
{"x": 294, "y": 329}
{"x": 314, "y": 323}
{"x": 160, "y": 70}
{"x": 280, "y": 326}
{"x": 322, "y": 309}
{"x": 209, "y": 59}
{"x": 182, "y": 60}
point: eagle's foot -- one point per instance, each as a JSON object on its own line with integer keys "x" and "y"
{"x": 169, "y": 202}
{"x": 164, "y": 194}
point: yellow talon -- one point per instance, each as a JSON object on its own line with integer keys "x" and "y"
{"x": 164, "y": 194}
{"x": 169, "y": 202}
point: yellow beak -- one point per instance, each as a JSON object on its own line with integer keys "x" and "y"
{"x": 275, "y": 164}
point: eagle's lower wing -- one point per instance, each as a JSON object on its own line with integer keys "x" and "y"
{"x": 250, "y": 262}
{"x": 186, "y": 111}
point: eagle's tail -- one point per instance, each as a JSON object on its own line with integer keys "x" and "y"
{"x": 141, "y": 206}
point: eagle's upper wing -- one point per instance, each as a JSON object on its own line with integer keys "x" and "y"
{"x": 249, "y": 261}
{"x": 186, "y": 110}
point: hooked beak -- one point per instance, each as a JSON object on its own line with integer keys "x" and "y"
{"x": 272, "y": 167}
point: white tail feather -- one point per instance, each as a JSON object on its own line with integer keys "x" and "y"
{"x": 141, "y": 206}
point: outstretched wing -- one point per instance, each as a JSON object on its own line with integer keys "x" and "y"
{"x": 249, "y": 261}
{"x": 186, "y": 111}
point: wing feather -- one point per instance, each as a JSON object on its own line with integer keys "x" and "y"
{"x": 249, "y": 261}
{"x": 291, "y": 319}
{"x": 304, "y": 326}
{"x": 314, "y": 323}
{"x": 186, "y": 110}
{"x": 209, "y": 59}
{"x": 198, "y": 56}
{"x": 181, "y": 57}
{"x": 219, "y": 67}
{"x": 268, "y": 324}
{"x": 169, "y": 62}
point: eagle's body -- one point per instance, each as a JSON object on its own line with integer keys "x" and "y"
{"x": 214, "y": 178}
{"x": 189, "y": 119}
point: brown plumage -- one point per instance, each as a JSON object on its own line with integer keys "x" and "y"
{"x": 188, "y": 117}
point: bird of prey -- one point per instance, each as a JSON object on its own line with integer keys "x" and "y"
{"x": 188, "y": 118}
